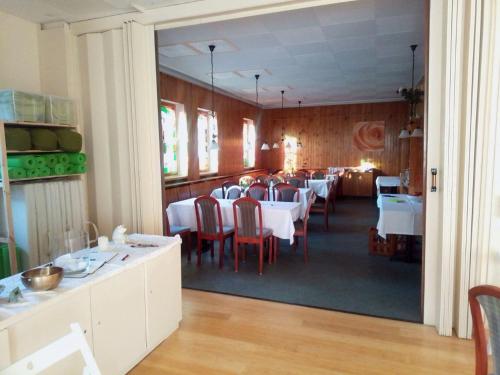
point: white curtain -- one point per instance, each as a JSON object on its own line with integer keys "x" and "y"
{"x": 120, "y": 121}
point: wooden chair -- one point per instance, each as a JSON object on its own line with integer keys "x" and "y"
{"x": 303, "y": 173}
{"x": 286, "y": 193}
{"x": 322, "y": 206}
{"x": 297, "y": 181}
{"x": 258, "y": 191}
{"x": 226, "y": 185}
{"x": 487, "y": 297}
{"x": 210, "y": 227}
{"x": 183, "y": 232}
{"x": 233, "y": 192}
{"x": 318, "y": 175}
{"x": 301, "y": 228}
{"x": 248, "y": 232}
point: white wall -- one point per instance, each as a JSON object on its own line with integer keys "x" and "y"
{"x": 19, "y": 54}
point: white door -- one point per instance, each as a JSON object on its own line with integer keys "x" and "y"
{"x": 119, "y": 321}
{"x": 163, "y": 299}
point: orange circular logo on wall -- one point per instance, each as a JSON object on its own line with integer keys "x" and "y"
{"x": 369, "y": 135}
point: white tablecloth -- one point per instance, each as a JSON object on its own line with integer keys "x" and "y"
{"x": 400, "y": 214}
{"x": 387, "y": 181}
{"x": 305, "y": 193}
{"x": 320, "y": 187}
{"x": 278, "y": 216}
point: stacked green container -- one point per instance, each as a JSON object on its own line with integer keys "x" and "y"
{"x": 5, "y": 262}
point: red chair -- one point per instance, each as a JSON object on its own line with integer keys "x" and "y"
{"x": 183, "y": 232}
{"x": 286, "y": 193}
{"x": 303, "y": 173}
{"x": 318, "y": 175}
{"x": 301, "y": 228}
{"x": 297, "y": 181}
{"x": 323, "y": 205}
{"x": 233, "y": 192}
{"x": 226, "y": 185}
{"x": 248, "y": 232}
{"x": 487, "y": 297}
{"x": 258, "y": 191}
{"x": 210, "y": 227}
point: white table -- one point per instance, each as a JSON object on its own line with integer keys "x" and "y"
{"x": 387, "y": 181}
{"x": 400, "y": 214}
{"x": 278, "y": 216}
{"x": 320, "y": 187}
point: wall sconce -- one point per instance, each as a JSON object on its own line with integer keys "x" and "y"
{"x": 265, "y": 147}
{"x": 404, "y": 134}
{"x": 417, "y": 133}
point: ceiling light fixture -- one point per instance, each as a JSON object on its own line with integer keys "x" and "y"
{"x": 299, "y": 142}
{"x": 257, "y": 89}
{"x": 213, "y": 145}
{"x": 283, "y": 117}
{"x": 404, "y": 134}
{"x": 411, "y": 95}
{"x": 417, "y": 133}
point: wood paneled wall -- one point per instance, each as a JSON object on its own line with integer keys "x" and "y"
{"x": 230, "y": 115}
{"x": 327, "y": 135}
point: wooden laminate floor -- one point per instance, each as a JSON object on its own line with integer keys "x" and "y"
{"x": 223, "y": 334}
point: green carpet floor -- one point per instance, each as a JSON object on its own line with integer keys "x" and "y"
{"x": 340, "y": 274}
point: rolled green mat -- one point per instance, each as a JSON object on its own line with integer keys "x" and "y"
{"x": 33, "y": 172}
{"x": 15, "y": 173}
{"x": 17, "y": 139}
{"x": 69, "y": 140}
{"x": 51, "y": 160}
{"x": 79, "y": 158}
{"x": 44, "y": 171}
{"x": 58, "y": 169}
{"x": 40, "y": 162}
{"x": 70, "y": 169}
{"x": 80, "y": 169}
{"x": 43, "y": 139}
{"x": 63, "y": 158}
{"x": 21, "y": 161}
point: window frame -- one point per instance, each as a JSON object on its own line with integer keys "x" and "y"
{"x": 213, "y": 164}
{"x": 178, "y": 109}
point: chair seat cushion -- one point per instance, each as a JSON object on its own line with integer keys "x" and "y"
{"x": 266, "y": 232}
{"x": 174, "y": 229}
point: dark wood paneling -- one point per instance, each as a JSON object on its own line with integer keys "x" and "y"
{"x": 230, "y": 115}
{"x": 327, "y": 135}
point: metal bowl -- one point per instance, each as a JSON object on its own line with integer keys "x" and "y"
{"x": 42, "y": 278}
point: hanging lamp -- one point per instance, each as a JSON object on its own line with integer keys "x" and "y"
{"x": 213, "y": 145}
{"x": 404, "y": 134}
{"x": 299, "y": 142}
{"x": 412, "y": 95}
{"x": 265, "y": 145}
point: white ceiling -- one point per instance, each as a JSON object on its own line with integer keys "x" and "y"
{"x": 349, "y": 52}
{"x": 46, "y": 11}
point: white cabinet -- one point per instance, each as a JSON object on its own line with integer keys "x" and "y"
{"x": 119, "y": 321}
{"x": 163, "y": 297}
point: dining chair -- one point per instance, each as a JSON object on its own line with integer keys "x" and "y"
{"x": 263, "y": 179}
{"x": 258, "y": 191}
{"x": 286, "y": 193}
{"x": 303, "y": 173}
{"x": 301, "y": 228}
{"x": 297, "y": 181}
{"x": 226, "y": 185}
{"x": 275, "y": 179}
{"x": 318, "y": 175}
{"x": 233, "y": 192}
{"x": 487, "y": 297}
{"x": 323, "y": 205}
{"x": 249, "y": 229}
{"x": 183, "y": 232}
{"x": 210, "y": 226}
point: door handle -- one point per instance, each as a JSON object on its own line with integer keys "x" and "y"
{"x": 434, "y": 172}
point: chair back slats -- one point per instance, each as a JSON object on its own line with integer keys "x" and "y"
{"x": 287, "y": 193}
{"x": 226, "y": 185}
{"x": 318, "y": 175}
{"x": 208, "y": 215}
{"x": 310, "y": 202}
{"x": 258, "y": 191}
{"x": 233, "y": 192}
{"x": 246, "y": 221}
{"x": 487, "y": 297}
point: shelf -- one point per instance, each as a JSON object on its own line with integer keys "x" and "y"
{"x": 37, "y": 124}
{"x": 14, "y": 152}
{"x": 42, "y": 178}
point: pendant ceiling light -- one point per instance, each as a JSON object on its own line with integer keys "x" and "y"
{"x": 417, "y": 133}
{"x": 265, "y": 145}
{"x": 404, "y": 134}
{"x": 299, "y": 142}
{"x": 411, "y": 95}
{"x": 213, "y": 145}
{"x": 283, "y": 117}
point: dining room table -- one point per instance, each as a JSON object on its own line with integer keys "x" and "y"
{"x": 400, "y": 214}
{"x": 320, "y": 187}
{"x": 277, "y": 216}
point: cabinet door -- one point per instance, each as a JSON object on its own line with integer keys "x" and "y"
{"x": 49, "y": 324}
{"x": 163, "y": 296}
{"x": 4, "y": 349}
{"x": 118, "y": 320}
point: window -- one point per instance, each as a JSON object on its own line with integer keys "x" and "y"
{"x": 208, "y": 151}
{"x": 248, "y": 143}
{"x": 175, "y": 138}
{"x": 290, "y": 153}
